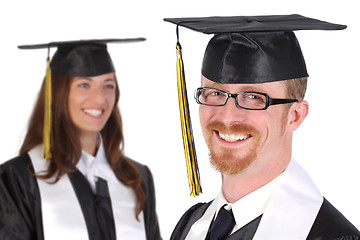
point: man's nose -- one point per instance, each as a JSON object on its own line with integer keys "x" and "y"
{"x": 231, "y": 113}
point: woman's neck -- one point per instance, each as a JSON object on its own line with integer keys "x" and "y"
{"x": 89, "y": 143}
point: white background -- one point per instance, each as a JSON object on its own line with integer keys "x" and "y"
{"x": 326, "y": 144}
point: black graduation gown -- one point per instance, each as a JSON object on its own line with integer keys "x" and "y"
{"x": 329, "y": 224}
{"x": 20, "y": 204}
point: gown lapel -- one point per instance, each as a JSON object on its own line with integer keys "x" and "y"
{"x": 123, "y": 204}
{"x": 247, "y": 232}
{"x": 61, "y": 211}
{"x": 292, "y": 208}
{"x": 78, "y": 213}
{"x": 96, "y": 208}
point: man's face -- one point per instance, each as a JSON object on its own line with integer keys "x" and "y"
{"x": 239, "y": 139}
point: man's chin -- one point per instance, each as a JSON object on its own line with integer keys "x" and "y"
{"x": 230, "y": 164}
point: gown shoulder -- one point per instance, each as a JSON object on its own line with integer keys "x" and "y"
{"x": 331, "y": 224}
{"x": 20, "y": 203}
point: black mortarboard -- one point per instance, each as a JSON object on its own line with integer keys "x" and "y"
{"x": 82, "y": 58}
{"x": 245, "y": 49}
{"x": 253, "y": 49}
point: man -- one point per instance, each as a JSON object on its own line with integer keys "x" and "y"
{"x": 251, "y": 101}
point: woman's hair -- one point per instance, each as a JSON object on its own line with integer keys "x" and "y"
{"x": 66, "y": 151}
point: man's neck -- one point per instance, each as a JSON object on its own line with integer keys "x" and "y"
{"x": 237, "y": 186}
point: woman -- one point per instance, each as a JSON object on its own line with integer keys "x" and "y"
{"x": 72, "y": 179}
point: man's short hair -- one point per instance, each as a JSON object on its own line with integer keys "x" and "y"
{"x": 296, "y": 88}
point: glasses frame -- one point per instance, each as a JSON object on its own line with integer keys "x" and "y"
{"x": 269, "y": 101}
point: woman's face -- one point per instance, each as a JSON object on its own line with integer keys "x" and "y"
{"x": 91, "y": 101}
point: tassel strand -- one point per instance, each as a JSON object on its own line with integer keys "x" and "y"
{"x": 47, "y": 132}
{"x": 188, "y": 140}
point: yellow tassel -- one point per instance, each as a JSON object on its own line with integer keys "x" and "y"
{"x": 47, "y": 133}
{"x": 188, "y": 140}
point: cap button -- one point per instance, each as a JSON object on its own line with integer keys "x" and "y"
{"x": 252, "y": 19}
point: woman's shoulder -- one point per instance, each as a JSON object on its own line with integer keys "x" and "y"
{"x": 20, "y": 196}
{"x": 19, "y": 164}
{"x": 143, "y": 170}
{"x": 18, "y": 171}
{"x": 145, "y": 173}
{"x": 17, "y": 179}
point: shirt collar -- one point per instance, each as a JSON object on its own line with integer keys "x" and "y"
{"x": 250, "y": 206}
{"x": 244, "y": 210}
{"x": 98, "y": 164}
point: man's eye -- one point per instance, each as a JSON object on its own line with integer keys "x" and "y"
{"x": 217, "y": 93}
{"x": 251, "y": 96}
{"x": 254, "y": 98}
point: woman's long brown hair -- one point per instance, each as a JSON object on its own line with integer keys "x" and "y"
{"x": 66, "y": 150}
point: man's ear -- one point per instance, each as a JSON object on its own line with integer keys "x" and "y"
{"x": 297, "y": 114}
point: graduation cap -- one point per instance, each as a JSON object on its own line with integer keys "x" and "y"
{"x": 82, "y": 58}
{"x": 244, "y": 49}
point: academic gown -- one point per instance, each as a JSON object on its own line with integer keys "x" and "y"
{"x": 295, "y": 210}
{"x": 21, "y": 210}
{"x": 329, "y": 224}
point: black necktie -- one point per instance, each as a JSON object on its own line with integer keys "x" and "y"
{"x": 222, "y": 225}
{"x": 103, "y": 210}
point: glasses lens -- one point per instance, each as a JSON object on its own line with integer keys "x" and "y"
{"x": 210, "y": 96}
{"x": 251, "y": 100}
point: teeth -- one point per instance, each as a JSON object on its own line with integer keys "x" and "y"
{"x": 93, "y": 112}
{"x": 232, "y": 137}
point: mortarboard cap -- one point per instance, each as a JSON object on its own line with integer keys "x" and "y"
{"x": 253, "y": 49}
{"x": 244, "y": 49}
{"x": 82, "y": 58}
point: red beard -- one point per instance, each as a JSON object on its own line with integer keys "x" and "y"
{"x": 226, "y": 159}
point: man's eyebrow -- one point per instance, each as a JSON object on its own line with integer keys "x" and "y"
{"x": 213, "y": 85}
{"x": 253, "y": 89}
{"x": 242, "y": 87}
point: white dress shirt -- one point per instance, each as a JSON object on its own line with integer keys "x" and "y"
{"x": 245, "y": 210}
{"x": 93, "y": 167}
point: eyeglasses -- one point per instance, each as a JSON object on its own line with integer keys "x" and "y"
{"x": 245, "y": 100}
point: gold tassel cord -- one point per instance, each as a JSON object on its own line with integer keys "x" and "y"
{"x": 188, "y": 140}
{"x": 47, "y": 132}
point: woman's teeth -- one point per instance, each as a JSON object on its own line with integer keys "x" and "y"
{"x": 233, "y": 137}
{"x": 93, "y": 112}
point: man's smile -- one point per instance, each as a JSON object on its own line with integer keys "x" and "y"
{"x": 233, "y": 137}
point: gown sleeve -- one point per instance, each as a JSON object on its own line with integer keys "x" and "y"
{"x": 331, "y": 224}
{"x": 20, "y": 208}
{"x": 150, "y": 215}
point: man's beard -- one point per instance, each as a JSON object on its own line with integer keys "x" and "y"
{"x": 228, "y": 160}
